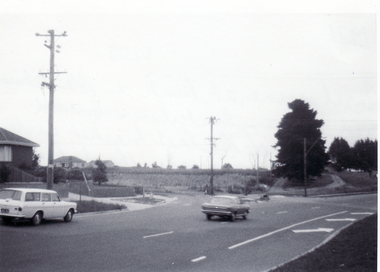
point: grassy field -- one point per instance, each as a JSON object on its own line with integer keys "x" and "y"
{"x": 353, "y": 249}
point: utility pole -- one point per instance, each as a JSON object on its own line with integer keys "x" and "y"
{"x": 51, "y": 47}
{"x": 257, "y": 172}
{"x": 212, "y": 122}
{"x": 304, "y": 165}
{"x": 305, "y": 161}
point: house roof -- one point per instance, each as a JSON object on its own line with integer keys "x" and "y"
{"x": 9, "y": 138}
{"x": 68, "y": 159}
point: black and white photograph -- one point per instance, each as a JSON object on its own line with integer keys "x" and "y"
{"x": 188, "y": 135}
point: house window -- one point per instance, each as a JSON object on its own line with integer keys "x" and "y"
{"x": 5, "y": 153}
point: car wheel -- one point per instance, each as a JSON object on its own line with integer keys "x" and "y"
{"x": 232, "y": 217}
{"x": 68, "y": 216}
{"x": 36, "y": 219}
{"x": 7, "y": 219}
{"x": 208, "y": 216}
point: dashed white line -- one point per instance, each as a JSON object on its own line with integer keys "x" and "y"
{"x": 198, "y": 259}
{"x": 313, "y": 208}
{"x": 158, "y": 234}
{"x": 282, "y": 212}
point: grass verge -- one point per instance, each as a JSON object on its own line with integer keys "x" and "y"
{"x": 353, "y": 249}
{"x": 93, "y": 206}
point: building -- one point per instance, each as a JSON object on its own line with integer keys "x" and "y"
{"x": 15, "y": 150}
{"x": 69, "y": 162}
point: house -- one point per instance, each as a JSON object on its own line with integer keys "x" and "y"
{"x": 69, "y": 162}
{"x": 107, "y": 163}
{"x": 15, "y": 150}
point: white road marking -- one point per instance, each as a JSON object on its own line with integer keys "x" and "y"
{"x": 361, "y": 213}
{"x": 315, "y": 208}
{"x": 158, "y": 234}
{"x": 198, "y": 259}
{"x": 288, "y": 227}
{"x": 313, "y": 230}
{"x": 282, "y": 212}
{"x": 340, "y": 219}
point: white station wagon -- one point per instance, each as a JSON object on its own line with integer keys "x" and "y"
{"x": 34, "y": 204}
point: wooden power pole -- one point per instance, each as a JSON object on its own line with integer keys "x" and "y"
{"x": 212, "y": 122}
{"x": 51, "y": 73}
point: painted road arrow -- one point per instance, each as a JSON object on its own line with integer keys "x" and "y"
{"x": 364, "y": 213}
{"x": 341, "y": 219}
{"x": 313, "y": 230}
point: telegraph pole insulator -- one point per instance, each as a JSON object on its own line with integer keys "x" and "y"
{"x": 50, "y": 168}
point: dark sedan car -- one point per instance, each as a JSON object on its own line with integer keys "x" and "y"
{"x": 226, "y": 207}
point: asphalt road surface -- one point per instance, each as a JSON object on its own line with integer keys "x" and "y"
{"x": 177, "y": 236}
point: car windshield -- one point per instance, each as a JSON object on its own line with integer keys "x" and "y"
{"x": 222, "y": 200}
{"x": 10, "y": 194}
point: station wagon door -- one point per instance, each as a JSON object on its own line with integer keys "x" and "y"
{"x": 60, "y": 208}
{"x": 47, "y": 205}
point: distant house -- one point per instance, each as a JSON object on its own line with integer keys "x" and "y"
{"x": 15, "y": 150}
{"x": 69, "y": 162}
{"x": 107, "y": 163}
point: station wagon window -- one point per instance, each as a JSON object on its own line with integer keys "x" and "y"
{"x": 46, "y": 197}
{"x": 54, "y": 197}
{"x": 32, "y": 197}
{"x": 12, "y": 194}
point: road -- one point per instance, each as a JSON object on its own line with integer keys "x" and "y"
{"x": 177, "y": 236}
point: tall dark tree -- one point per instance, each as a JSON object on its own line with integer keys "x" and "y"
{"x": 365, "y": 155}
{"x": 340, "y": 154}
{"x": 296, "y": 125}
{"x": 99, "y": 174}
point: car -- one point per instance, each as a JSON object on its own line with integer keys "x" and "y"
{"x": 226, "y": 206}
{"x": 34, "y": 205}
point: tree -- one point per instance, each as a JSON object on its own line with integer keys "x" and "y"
{"x": 294, "y": 127}
{"x": 181, "y": 167}
{"x": 195, "y": 167}
{"x": 227, "y": 166}
{"x": 340, "y": 154}
{"x": 99, "y": 174}
{"x": 364, "y": 155}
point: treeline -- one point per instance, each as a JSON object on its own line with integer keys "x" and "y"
{"x": 362, "y": 156}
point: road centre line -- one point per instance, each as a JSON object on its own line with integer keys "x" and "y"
{"x": 279, "y": 230}
{"x": 282, "y": 212}
{"x": 158, "y": 234}
{"x": 315, "y": 208}
{"x": 198, "y": 259}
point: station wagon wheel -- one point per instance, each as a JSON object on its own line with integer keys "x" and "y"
{"x": 232, "y": 217}
{"x": 208, "y": 216}
{"x": 36, "y": 219}
{"x": 68, "y": 216}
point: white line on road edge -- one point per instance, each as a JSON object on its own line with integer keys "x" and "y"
{"x": 315, "y": 208}
{"x": 288, "y": 227}
{"x": 158, "y": 234}
{"x": 282, "y": 212}
{"x": 198, "y": 259}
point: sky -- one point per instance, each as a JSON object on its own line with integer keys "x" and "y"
{"x": 144, "y": 77}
